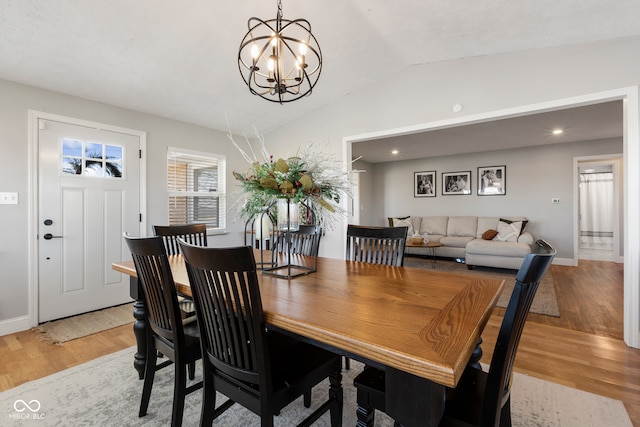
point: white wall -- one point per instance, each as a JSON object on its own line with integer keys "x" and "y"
{"x": 15, "y": 101}
{"x": 368, "y": 195}
{"x": 534, "y": 176}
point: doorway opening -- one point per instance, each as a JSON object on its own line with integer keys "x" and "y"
{"x": 598, "y": 230}
{"x": 631, "y": 137}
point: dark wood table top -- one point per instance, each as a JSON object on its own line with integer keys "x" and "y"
{"x": 419, "y": 321}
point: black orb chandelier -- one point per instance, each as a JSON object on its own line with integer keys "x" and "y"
{"x": 279, "y": 59}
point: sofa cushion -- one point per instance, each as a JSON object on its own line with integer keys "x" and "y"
{"x": 455, "y": 241}
{"x": 508, "y": 231}
{"x": 487, "y": 223}
{"x": 496, "y": 248}
{"x": 462, "y": 226}
{"x": 434, "y": 225}
{"x": 526, "y": 237}
{"x": 397, "y": 222}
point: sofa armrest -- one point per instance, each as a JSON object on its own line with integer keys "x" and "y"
{"x": 526, "y": 237}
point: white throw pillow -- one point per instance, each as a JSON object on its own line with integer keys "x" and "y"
{"x": 508, "y": 231}
{"x": 404, "y": 223}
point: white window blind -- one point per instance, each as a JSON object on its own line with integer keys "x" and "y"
{"x": 197, "y": 188}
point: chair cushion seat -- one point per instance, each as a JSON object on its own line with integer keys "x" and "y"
{"x": 455, "y": 241}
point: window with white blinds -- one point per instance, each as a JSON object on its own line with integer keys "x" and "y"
{"x": 197, "y": 188}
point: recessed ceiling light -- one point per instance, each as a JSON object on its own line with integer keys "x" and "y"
{"x": 394, "y": 152}
{"x": 558, "y": 131}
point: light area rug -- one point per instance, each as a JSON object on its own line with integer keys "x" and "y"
{"x": 106, "y": 392}
{"x": 545, "y": 301}
{"x": 70, "y": 328}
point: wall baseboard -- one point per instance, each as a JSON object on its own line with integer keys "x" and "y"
{"x": 17, "y": 324}
{"x": 564, "y": 261}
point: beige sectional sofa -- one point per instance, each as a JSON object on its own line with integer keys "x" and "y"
{"x": 462, "y": 237}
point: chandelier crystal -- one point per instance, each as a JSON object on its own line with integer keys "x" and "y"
{"x": 280, "y": 59}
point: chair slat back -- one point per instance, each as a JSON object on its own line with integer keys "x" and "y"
{"x": 528, "y": 279}
{"x": 376, "y": 245}
{"x": 229, "y": 308}
{"x": 195, "y": 234}
{"x": 305, "y": 241}
{"x": 156, "y": 279}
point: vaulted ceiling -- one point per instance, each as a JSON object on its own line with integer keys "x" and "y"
{"x": 179, "y": 59}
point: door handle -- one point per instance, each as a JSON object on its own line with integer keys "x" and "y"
{"x": 50, "y": 236}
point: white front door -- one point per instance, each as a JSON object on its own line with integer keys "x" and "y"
{"x": 89, "y": 194}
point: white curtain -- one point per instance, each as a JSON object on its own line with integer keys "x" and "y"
{"x": 596, "y": 204}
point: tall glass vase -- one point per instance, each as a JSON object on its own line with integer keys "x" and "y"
{"x": 288, "y": 215}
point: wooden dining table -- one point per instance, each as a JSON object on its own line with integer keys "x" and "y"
{"x": 420, "y": 326}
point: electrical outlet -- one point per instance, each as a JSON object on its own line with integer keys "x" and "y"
{"x": 8, "y": 198}
{"x": 555, "y": 200}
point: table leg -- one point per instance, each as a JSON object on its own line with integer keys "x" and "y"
{"x": 432, "y": 252}
{"x": 402, "y": 405}
{"x": 139, "y": 326}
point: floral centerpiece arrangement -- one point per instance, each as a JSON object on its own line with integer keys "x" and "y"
{"x": 310, "y": 176}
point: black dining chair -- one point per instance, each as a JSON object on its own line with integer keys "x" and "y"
{"x": 304, "y": 241}
{"x": 166, "y": 333}
{"x": 260, "y": 369}
{"x": 480, "y": 398}
{"x": 196, "y": 234}
{"x": 376, "y": 245}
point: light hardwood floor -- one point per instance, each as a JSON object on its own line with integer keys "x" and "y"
{"x": 581, "y": 349}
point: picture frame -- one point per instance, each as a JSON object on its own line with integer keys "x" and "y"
{"x": 456, "y": 183}
{"x": 424, "y": 184}
{"x": 492, "y": 180}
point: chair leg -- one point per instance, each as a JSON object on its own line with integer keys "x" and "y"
{"x": 266, "y": 421}
{"x": 505, "y": 414}
{"x": 179, "y": 392}
{"x": 347, "y": 363}
{"x": 149, "y": 374}
{"x": 307, "y": 399}
{"x": 192, "y": 370}
{"x": 208, "y": 399}
{"x": 336, "y": 395}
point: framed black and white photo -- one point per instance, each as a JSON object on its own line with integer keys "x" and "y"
{"x": 456, "y": 183}
{"x": 492, "y": 181}
{"x": 424, "y": 184}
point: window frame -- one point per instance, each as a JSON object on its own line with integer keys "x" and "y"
{"x": 196, "y": 161}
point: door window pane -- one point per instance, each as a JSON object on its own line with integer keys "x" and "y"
{"x": 91, "y": 159}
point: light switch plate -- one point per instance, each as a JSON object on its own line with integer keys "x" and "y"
{"x": 8, "y": 198}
